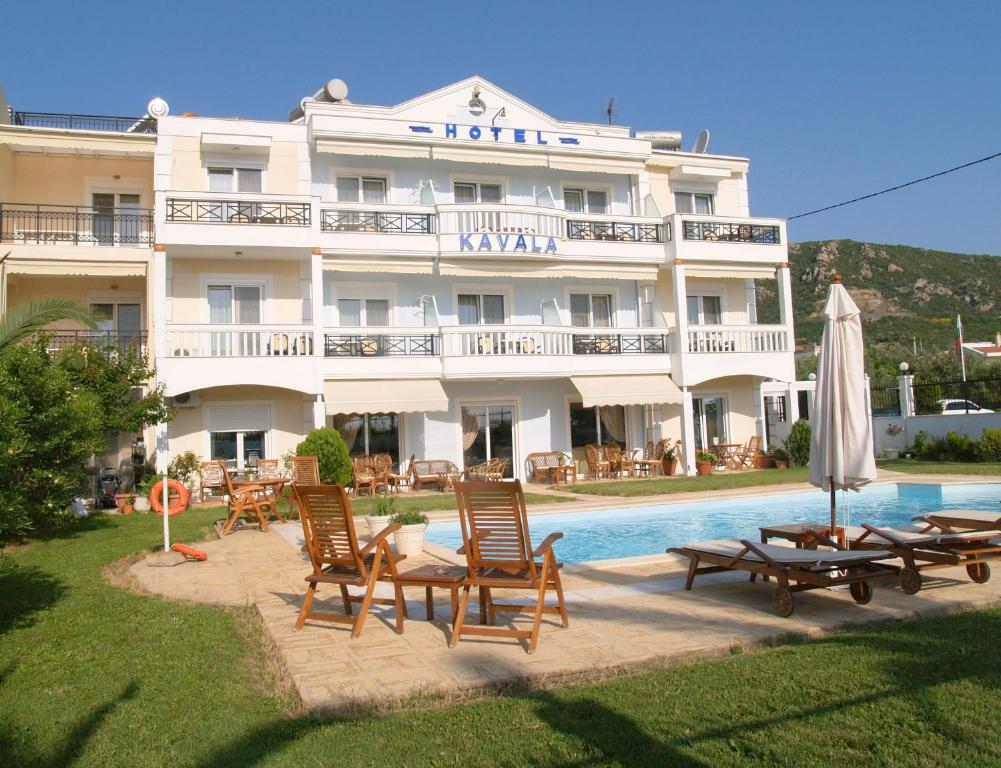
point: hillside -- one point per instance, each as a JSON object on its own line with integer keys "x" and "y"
{"x": 903, "y": 292}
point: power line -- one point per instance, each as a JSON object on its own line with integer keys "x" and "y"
{"x": 899, "y": 186}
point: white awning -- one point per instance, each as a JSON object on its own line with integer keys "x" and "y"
{"x": 380, "y": 265}
{"x": 641, "y": 389}
{"x": 596, "y": 165}
{"x": 384, "y": 396}
{"x": 719, "y": 271}
{"x": 490, "y": 156}
{"x": 93, "y": 269}
{"x": 368, "y": 149}
{"x": 530, "y": 270}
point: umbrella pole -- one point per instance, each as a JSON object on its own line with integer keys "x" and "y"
{"x": 834, "y": 508}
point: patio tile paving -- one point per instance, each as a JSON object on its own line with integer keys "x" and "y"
{"x": 619, "y": 617}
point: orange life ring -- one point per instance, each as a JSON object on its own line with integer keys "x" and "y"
{"x": 178, "y": 502}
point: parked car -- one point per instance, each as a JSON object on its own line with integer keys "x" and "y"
{"x": 962, "y": 406}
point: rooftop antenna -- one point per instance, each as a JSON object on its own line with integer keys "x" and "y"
{"x": 610, "y": 109}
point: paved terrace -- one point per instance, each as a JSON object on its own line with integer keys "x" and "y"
{"x": 633, "y": 614}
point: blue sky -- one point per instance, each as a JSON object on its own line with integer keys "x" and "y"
{"x": 829, "y": 101}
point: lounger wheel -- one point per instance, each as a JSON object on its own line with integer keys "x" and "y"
{"x": 910, "y": 581}
{"x": 782, "y": 600}
{"x": 978, "y": 572}
{"x": 861, "y": 592}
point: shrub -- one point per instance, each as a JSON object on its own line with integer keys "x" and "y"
{"x": 990, "y": 444}
{"x": 409, "y": 518}
{"x": 184, "y": 466}
{"x": 702, "y": 456}
{"x": 384, "y": 506}
{"x": 779, "y": 454}
{"x": 798, "y": 443}
{"x": 952, "y": 447}
{"x": 331, "y": 453}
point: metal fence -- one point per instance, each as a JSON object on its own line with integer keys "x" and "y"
{"x": 885, "y": 401}
{"x": 973, "y": 396}
{"x": 143, "y": 124}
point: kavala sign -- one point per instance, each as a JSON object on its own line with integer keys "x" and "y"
{"x": 524, "y": 243}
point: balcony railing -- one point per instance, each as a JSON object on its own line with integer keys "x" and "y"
{"x": 108, "y": 342}
{"x": 392, "y": 222}
{"x": 578, "y": 229}
{"x": 549, "y": 340}
{"x": 238, "y": 212}
{"x": 377, "y": 343}
{"x": 84, "y": 122}
{"x": 738, "y": 338}
{"x": 730, "y": 232}
{"x": 509, "y": 219}
{"x": 238, "y": 341}
{"x": 75, "y": 225}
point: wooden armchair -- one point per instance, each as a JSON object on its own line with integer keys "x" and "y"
{"x": 744, "y": 457}
{"x": 332, "y": 544}
{"x": 440, "y": 472}
{"x": 305, "y": 471}
{"x": 598, "y": 465}
{"x": 397, "y": 481}
{"x": 251, "y": 500}
{"x": 544, "y": 465}
{"x": 499, "y": 554}
{"x": 492, "y": 470}
{"x": 212, "y": 479}
{"x": 618, "y": 461}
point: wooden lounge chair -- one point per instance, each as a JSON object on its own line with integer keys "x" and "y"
{"x": 652, "y": 463}
{"x": 924, "y": 547}
{"x": 337, "y": 558}
{"x": 267, "y": 469}
{"x": 305, "y": 471}
{"x": 795, "y": 570}
{"x": 405, "y": 478}
{"x": 962, "y": 519}
{"x": 251, "y": 500}
{"x": 597, "y": 465}
{"x": 499, "y": 554}
{"x": 212, "y": 479}
{"x": 744, "y": 458}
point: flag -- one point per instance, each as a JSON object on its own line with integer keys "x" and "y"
{"x": 959, "y": 334}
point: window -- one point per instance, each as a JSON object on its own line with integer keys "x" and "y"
{"x": 705, "y": 310}
{"x": 481, "y": 309}
{"x": 126, "y": 319}
{"x": 369, "y": 433}
{"x": 238, "y": 434}
{"x": 488, "y": 433}
{"x": 235, "y": 179}
{"x": 467, "y": 193}
{"x": 591, "y": 310}
{"x": 235, "y": 304}
{"x": 361, "y": 189}
{"x": 127, "y": 228}
{"x": 693, "y": 202}
{"x": 585, "y": 200}
{"x": 596, "y": 425}
{"x": 363, "y": 312}
{"x": 648, "y": 306}
{"x": 238, "y": 449}
{"x": 710, "y": 421}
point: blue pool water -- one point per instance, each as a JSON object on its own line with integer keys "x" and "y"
{"x": 648, "y": 530}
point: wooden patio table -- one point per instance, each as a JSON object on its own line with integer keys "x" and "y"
{"x": 274, "y": 485}
{"x": 448, "y": 577}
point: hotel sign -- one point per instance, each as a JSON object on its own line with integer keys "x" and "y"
{"x": 495, "y": 134}
{"x": 506, "y": 242}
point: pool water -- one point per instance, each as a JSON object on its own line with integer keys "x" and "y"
{"x": 632, "y": 531}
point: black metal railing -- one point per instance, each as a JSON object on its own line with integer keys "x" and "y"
{"x": 614, "y": 230}
{"x": 377, "y": 221}
{"x": 108, "y": 342}
{"x": 381, "y": 345}
{"x": 84, "y": 122}
{"x": 621, "y": 344}
{"x": 238, "y": 212}
{"x": 957, "y": 397}
{"x": 885, "y": 401}
{"x": 72, "y": 225}
{"x": 730, "y": 232}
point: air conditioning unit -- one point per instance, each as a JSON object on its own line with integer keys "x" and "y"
{"x": 187, "y": 400}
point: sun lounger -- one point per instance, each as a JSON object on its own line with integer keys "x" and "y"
{"x": 795, "y": 570}
{"x": 963, "y": 519}
{"x": 930, "y": 546}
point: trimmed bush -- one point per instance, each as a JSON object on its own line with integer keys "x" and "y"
{"x": 798, "y": 443}
{"x": 331, "y": 453}
{"x": 990, "y": 444}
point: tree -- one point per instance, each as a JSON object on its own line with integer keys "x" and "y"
{"x": 26, "y": 320}
{"x": 331, "y": 452}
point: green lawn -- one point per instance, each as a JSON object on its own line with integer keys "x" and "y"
{"x": 712, "y": 482}
{"x": 91, "y": 675}
{"x": 939, "y": 467}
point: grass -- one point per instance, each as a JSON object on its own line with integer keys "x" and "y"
{"x": 714, "y": 482}
{"x": 92, "y": 675}
{"x": 939, "y": 467}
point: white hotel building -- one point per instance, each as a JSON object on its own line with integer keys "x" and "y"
{"x": 460, "y": 276}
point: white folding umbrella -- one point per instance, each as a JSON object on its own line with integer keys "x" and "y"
{"x": 841, "y": 443}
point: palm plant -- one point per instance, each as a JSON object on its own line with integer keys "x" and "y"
{"x": 27, "y": 319}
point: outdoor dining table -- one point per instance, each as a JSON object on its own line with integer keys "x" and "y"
{"x": 726, "y": 453}
{"x": 272, "y": 485}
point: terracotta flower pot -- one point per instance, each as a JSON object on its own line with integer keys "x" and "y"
{"x": 763, "y": 461}
{"x": 704, "y": 467}
{"x": 669, "y": 466}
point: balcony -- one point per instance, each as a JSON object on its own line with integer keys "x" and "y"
{"x": 384, "y": 222}
{"x": 752, "y": 241}
{"x": 626, "y": 232}
{"x": 22, "y": 223}
{"x": 110, "y": 343}
{"x": 236, "y": 220}
{"x": 222, "y": 211}
{"x": 508, "y": 219}
{"x": 730, "y": 232}
{"x": 239, "y": 341}
{"x": 714, "y": 351}
{"x": 374, "y": 342}
{"x": 738, "y": 338}
{"x": 84, "y": 122}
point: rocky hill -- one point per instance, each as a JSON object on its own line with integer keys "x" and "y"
{"x": 904, "y": 293}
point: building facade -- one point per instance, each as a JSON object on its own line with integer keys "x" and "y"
{"x": 460, "y": 276}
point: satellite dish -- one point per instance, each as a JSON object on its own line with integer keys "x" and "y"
{"x": 336, "y": 89}
{"x": 701, "y": 145}
{"x": 157, "y": 108}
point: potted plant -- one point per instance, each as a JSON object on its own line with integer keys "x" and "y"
{"x": 186, "y": 467}
{"x": 141, "y": 504}
{"x": 893, "y": 430}
{"x": 410, "y": 535}
{"x": 763, "y": 460}
{"x": 125, "y": 502}
{"x": 704, "y": 463}
{"x": 382, "y": 510}
{"x": 781, "y": 458}
{"x": 669, "y": 461}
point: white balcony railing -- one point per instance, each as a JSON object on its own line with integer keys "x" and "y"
{"x": 738, "y": 338}
{"x": 512, "y": 219}
{"x": 239, "y": 341}
{"x": 466, "y": 341}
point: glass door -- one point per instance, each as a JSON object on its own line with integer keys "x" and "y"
{"x": 710, "y": 422}
{"x": 129, "y": 220}
{"x": 103, "y": 229}
{"x": 488, "y": 433}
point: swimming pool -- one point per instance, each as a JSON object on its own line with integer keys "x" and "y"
{"x": 632, "y": 531}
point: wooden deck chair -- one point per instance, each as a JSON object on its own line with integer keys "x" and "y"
{"x": 305, "y": 471}
{"x": 251, "y": 500}
{"x": 329, "y": 529}
{"x": 211, "y": 479}
{"x": 404, "y": 478}
{"x": 382, "y": 468}
{"x": 499, "y": 555}
{"x": 595, "y": 463}
{"x": 744, "y": 458}
{"x": 618, "y": 461}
